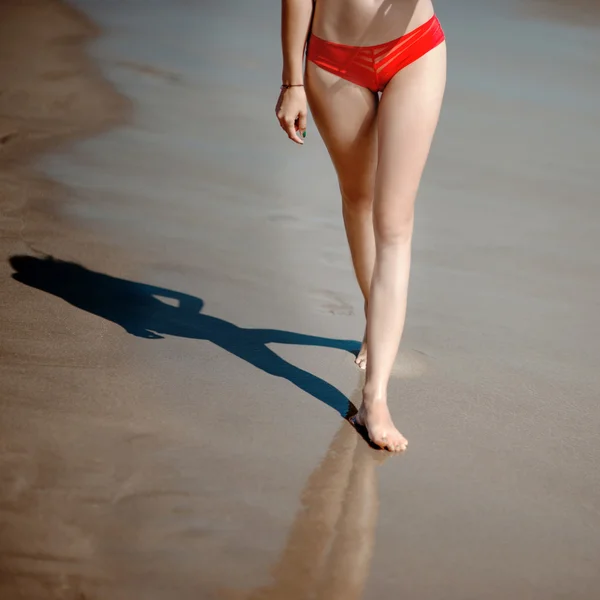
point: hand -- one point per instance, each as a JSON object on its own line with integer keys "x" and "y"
{"x": 291, "y": 111}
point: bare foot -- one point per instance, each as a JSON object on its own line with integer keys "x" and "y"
{"x": 361, "y": 357}
{"x": 375, "y": 417}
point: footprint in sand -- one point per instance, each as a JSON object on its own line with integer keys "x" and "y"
{"x": 283, "y": 218}
{"x": 5, "y": 138}
{"x": 332, "y": 303}
{"x": 410, "y": 364}
{"x": 152, "y": 71}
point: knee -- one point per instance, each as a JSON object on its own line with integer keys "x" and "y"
{"x": 359, "y": 202}
{"x": 394, "y": 230}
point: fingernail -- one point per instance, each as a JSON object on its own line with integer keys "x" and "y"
{"x": 304, "y": 134}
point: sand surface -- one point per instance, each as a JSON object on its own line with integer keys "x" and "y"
{"x": 178, "y": 314}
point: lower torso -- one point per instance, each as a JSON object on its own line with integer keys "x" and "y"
{"x": 368, "y": 22}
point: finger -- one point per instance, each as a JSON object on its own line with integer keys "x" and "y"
{"x": 302, "y": 124}
{"x": 290, "y": 128}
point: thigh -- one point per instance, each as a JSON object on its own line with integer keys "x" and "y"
{"x": 408, "y": 115}
{"x": 346, "y": 116}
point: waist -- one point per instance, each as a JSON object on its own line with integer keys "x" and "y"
{"x": 431, "y": 29}
{"x": 368, "y": 22}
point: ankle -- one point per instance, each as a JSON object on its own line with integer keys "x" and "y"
{"x": 374, "y": 395}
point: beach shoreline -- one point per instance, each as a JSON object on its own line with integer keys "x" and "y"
{"x": 54, "y": 95}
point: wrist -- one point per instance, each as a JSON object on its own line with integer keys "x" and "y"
{"x": 292, "y": 77}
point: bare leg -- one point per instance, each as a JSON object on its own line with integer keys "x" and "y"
{"x": 346, "y": 116}
{"x": 408, "y": 116}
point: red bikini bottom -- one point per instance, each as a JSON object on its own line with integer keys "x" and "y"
{"x": 373, "y": 67}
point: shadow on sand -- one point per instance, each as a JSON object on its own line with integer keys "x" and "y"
{"x": 140, "y": 310}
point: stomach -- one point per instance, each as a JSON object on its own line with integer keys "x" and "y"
{"x": 368, "y": 22}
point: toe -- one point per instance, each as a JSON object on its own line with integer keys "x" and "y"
{"x": 361, "y": 357}
{"x": 381, "y": 441}
{"x": 387, "y": 444}
{"x": 400, "y": 442}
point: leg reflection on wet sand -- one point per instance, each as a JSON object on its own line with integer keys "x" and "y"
{"x": 329, "y": 548}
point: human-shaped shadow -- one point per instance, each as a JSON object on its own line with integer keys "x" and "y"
{"x": 138, "y": 308}
{"x": 330, "y": 545}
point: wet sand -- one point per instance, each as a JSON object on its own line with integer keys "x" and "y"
{"x": 173, "y": 380}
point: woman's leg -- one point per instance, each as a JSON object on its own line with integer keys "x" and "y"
{"x": 408, "y": 116}
{"x": 346, "y": 117}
